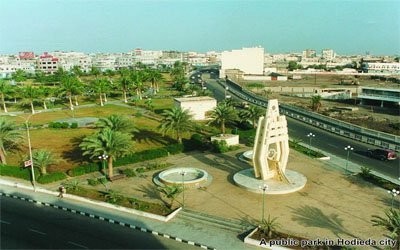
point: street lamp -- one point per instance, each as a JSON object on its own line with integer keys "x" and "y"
{"x": 226, "y": 89}
{"x": 393, "y": 193}
{"x": 263, "y": 188}
{"x": 348, "y": 149}
{"x": 183, "y": 173}
{"x": 103, "y": 159}
{"x": 310, "y": 136}
{"x": 30, "y": 162}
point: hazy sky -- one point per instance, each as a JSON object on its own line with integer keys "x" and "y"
{"x": 348, "y": 27}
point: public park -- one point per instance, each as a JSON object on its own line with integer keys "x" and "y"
{"x": 120, "y": 138}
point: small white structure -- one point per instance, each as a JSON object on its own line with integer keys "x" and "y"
{"x": 271, "y": 145}
{"x": 198, "y": 106}
{"x": 231, "y": 140}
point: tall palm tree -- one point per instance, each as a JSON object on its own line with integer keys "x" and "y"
{"x": 30, "y": 93}
{"x": 391, "y": 223}
{"x": 43, "y": 158}
{"x": 111, "y": 143}
{"x": 124, "y": 82}
{"x": 316, "y": 102}
{"x": 178, "y": 71}
{"x": 44, "y": 93}
{"x": 10, "y": 137}
{"x": 252, "y": 113}
{"x": 154, "y": 77}
{"x": 137, "y": 78}
{"x": 177, "y": 120}
{"x": 222, "y": 115}
{"x": 101, "y": 86}
{"x": 70, "y": 86}
{"x": 5, "y": 89}
{"x": 19, "y": 76}
{"x": 117, "y": 123}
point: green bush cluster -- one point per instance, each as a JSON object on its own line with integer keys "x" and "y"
{"x": 51, "y": 177}
{"x": 129, "y": 172}
{"x": 62, "y": 125}
{"x": 196, "y": 142}
{"x": 376, "y": 180}
{"x": 97, "y": 181}
{"x": 222, "y": 147}
{"x": 14, "y": 171}
{"x": 84, "y": 169}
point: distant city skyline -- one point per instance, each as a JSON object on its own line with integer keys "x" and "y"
{"x": 348, "y": 27}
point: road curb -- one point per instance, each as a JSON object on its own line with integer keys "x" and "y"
{"x": 142, "y": 229}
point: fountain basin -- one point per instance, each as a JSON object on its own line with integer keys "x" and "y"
{"x": 192, "y": 177}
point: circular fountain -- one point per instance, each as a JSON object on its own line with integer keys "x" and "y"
{"x": 190, "y": 177}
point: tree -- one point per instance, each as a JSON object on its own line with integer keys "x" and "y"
{"x": 137, "y": 78}
{"x": 316, "y": 102}
{"x": 42, "y": 159}
{"x": 117, "y": 123}
{"x": 269, "y": 226}
{"x": 77, "y": 71}
{"x": 44, "y": 93}
{"x": 31, "y": 94}
{"x": 124, "y": 82}
{"x": 101, "y": 86}
{"x": 19, "y": 76}
{"x": 10, "y": 137}
{"x": 222, "y": 115}
{"x": 252, "y": 113}
{"x": 170, "y": 192}
{"x": 5, "y": 89}
{"x": 114, "y": 144}
{"x": 177, "y": 120}
{"x": 293, "y": 66}
{"x": 155, "y": 77}
{"x": 391, "y": 223}
{"x": 70, "y": 86}
{"x": 95, "y": 71}
{"x": 178, "y": 71}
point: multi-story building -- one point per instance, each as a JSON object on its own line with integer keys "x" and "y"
{"x": 104, "y": 62}
{"x": 148, "y": 57}
{"x": 48, "y": 63}
{"x": 328, "y": 54}
{"x": 379, "y": 96}
{"x": 309, "y": 53}
{"x": 248, "y": 60}
{"x": 124, "y": 60}
{"x": 68, "y": 60}
{"x": 381, "y": 67}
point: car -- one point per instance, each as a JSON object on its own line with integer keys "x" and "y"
{"x": 382, "y": 154}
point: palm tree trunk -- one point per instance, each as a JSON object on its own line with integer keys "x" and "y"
{"x": 43, "y": 170}
{"x": 110, "y": 166}
{"x": 71, "y": 106}
{"x": 76, "y": 101}
{"x": 157, "y": 87}
{"x": 101, "y": 100}
{"x": 2, "y": 156}
{"x": 4, "y": 103}
{"x": 44, "y": 104}
{"x": 32, "y": 108}
{"x": 223, "y": 127}
{"x": 105, "y": 97}
{"x": 125, "y": 99}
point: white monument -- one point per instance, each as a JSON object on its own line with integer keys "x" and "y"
{"x": 269, "y": 157}
{"x": 271, "y": 144}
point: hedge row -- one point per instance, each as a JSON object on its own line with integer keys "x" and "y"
{"x": 51, "y": 177}
{"x": 18, "y": 172}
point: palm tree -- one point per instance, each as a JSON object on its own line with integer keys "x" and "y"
{"x": 10, "y": 137}
{"x": 137, "y": 78}
{"x": 154, "y": 76}
{"x": 170, "y": 192}
{"x": 177, "y": 120}
{"x": 391, "y": 223}
{"x": 124, "y": 82}
{"x": 77, "y": 71}
{"x": 178, "y": 71}
{"x": 70, "y": 86}
{"x": 252, "y": 113}
{"x": 269, "y": 226}
{"x": 5, "y": 89}
{"x": 31, "y": 94}
{"x": 117, "y": 123}
{"x": 95, "y": 71}
{"x": 19, "y": 76}
{"x": 108, "y": 142}
{"x": 316, "y": 102}
{"x": 44, "y": 93}
{"x": 101, "y": 86}
{"x": 43, "y": 158}
{"x": 222, "y": 115}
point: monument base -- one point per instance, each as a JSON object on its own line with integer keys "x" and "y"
{"x": 245, "y": 179}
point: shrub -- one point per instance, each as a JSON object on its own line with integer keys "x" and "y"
{"x": 14, "y": 171}
{"x": 51, "y": 177}
{"x": 220, "y": 146}
{"x": 93, "y": 182}
{"x": 74, "y": 125}
{"x": 84, "y": 169}
{"x": 129, "y": 172}
{"x": 64, "y": 125}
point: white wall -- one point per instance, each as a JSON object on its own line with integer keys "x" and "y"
{"x": 197, "y": 106}
{"x": 248, "y": 60}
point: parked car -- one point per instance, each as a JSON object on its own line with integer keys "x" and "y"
{"x": 382, "y": 154}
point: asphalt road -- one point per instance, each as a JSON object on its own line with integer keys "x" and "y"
{"x": 26, "y": 225}
{"x": 326, "y": 141}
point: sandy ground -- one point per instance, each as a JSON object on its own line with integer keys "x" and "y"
{"x": 331, "y": 205}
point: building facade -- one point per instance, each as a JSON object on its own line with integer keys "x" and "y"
{"x": 248, "y": 60}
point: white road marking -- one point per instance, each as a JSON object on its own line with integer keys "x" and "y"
{"x": 78, "y": 245}
{"x": 36, "y": 231}
{"x": 332, "y": 145}
{"x": 5, "y": 222}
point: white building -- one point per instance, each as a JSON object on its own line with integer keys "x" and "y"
{"x": 104, "y": 62}
{"x": 70, "y": 59}
{"x": 248, "y": 60}
{"x": 377, "y": 67}
{"x": 328, "y": 54}
{"x": 198, "y": 106}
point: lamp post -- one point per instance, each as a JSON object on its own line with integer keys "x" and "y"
{"x": 226, "y": 90}
{"x": 393, "y": 193}
{"x": 310, "y": 136}
{"x": 183, "y": 173}
{"x": 348, "y": 149}
{"x": 30, "y": 162}
{"x": 103, "y": 159}
{"x": 263, "y": 188}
